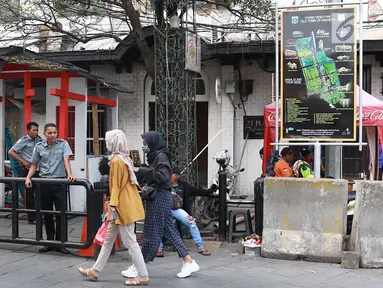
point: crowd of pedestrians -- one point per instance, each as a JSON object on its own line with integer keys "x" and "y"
{"x": 50, "y": 158}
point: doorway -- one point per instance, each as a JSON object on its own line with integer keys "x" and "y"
{"x": 202, "y": 140}
{"x": 202, "y": 134}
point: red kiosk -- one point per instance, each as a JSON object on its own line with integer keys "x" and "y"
{"x": 31, "y": 68}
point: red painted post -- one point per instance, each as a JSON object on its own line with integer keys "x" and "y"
{"x": 28, "y": 93}
{"x": 63, "y": 128}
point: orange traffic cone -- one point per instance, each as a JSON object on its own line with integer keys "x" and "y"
{"x": 87, "y": 252}
{"x": 117, "y": 244}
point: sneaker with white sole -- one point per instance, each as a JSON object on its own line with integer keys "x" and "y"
{"x": 130, "y": 272}
{"x": 188, "y": 269}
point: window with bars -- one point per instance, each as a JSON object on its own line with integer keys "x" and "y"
{"x": 355, "y": 163}
{"x": 71, "y": 126}
{"x": 102, "y": 127}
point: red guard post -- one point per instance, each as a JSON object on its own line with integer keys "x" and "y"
{"x": 63, "y": 129}
{"x": 28, "y": 93}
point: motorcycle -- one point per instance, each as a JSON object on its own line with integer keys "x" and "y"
{"x": 211, "y": 206}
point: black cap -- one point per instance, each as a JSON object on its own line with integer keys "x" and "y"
{"x": 176, "y": 171}
{"x": 305, "y": 152}
{"x": 286, "y": 151}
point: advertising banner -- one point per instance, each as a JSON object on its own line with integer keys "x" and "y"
{"x": 318, "y": 74}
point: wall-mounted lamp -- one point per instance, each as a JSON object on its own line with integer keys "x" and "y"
{"x": 175, "y": 21}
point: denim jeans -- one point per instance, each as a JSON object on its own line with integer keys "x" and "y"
{"x": 182, "y": 216}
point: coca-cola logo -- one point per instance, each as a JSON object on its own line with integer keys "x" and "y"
{"x": 271, "y": 116}
{"x": 371, "y": 115}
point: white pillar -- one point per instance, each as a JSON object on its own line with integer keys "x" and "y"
{"x": 227, "y": 113}
{"x": 333, "y": 161}
{"x": 115, "y": 114}
{"x": 2, "y": 141}
{"x": 78, "y": 195}
{"x": 76, "y": 85}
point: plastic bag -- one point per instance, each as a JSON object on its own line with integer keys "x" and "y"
{"x": 100, "y": 237}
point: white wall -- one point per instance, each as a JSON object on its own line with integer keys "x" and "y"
{"x": 76, "y": 85}
{"x": 223, "y": 116}
{"x": 254, "y": 107}
{"x": 133, "y": 115}
{"x": 376, "y": 74}
{"x": 130, "y": 106}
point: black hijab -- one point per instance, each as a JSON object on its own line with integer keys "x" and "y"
{"x": 156, "y": 144}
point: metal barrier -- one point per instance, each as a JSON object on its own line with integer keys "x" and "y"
{"x": 258, "y": 200}
{"x": 94, "y": 211}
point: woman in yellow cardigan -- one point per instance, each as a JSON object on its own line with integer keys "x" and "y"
{"x": 125, "y": 208}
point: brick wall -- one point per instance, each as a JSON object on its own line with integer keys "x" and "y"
{"x": 130, "y": 106}
{"x": 131, "y": 114}
{"x": 131, "y": 111}
{"x": 376, "y": 74}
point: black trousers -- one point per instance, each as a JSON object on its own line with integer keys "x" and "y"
{"x": 51, "y": 194}
{"x": 30, "y": 194}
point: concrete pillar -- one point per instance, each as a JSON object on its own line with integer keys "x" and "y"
{"x": 333, "y": 161}
{"x": 114, "y": 111}
{"x": 2, "y": 141}
{"x": 79, "y": 164}
{"x": 227, "y": 114}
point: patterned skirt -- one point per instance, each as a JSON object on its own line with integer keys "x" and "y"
{"x": 158, "y": 223}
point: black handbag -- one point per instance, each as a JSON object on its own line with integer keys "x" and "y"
{"x": 177, "y": 202}
{"x": 148, "y": 193}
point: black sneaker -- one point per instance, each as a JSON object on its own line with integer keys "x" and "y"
{"x": 62, "y": 251}
{"x": 46, "y": 249}
{"x": 31, "y": 222}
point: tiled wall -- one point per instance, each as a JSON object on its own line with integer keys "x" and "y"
{"x": 131, "y": 114}
{"x": 376, "y": 74}
{"x": 131, "y": 111}
{"x": 130, "y": 106}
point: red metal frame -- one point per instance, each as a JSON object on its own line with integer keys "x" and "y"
{"x": 79, "y": 97}
{"x": 63, "y": 129}
{"x": 17, "y": 71}
{"x": 28, "y": 94}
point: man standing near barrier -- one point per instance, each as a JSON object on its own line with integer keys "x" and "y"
{"x": 302, "y": 168}
{"x": 52, "y": 156}
{"x": 282, "y": 168}
{"x": 22, "y": 152}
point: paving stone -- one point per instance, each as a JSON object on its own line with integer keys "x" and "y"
{"x": 22, "y": 266}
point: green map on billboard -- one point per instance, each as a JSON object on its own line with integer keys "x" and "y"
{"x": 319, "y": 71}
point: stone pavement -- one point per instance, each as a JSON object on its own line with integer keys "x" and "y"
{"x": 23, "y": 266}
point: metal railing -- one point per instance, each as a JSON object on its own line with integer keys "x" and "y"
{"x": 93, "y": 214}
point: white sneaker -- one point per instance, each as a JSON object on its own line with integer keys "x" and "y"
{"x": 130, "y": 272}
{"x": 188, "y": 269}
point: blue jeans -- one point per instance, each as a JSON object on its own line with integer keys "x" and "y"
{"x": 182, "y": 216}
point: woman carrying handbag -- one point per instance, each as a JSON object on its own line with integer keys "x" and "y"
{"x": 159, "y": 219}
{"x": 125, "y": 208}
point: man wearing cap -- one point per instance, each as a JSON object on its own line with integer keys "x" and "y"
{"x": 302, "y": 168}
{"x": 184, "y": 190}
{"x": 22, "y": 152}
{"x": 282, "y": 168}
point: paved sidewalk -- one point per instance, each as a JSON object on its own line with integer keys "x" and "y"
{"x": 22, "y": 266}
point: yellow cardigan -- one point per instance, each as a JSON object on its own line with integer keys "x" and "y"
{"x": 124, "y": 195}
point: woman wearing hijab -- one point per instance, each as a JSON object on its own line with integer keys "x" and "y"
{"x": 125, "y": 209}
{"x": 159, "y": 219}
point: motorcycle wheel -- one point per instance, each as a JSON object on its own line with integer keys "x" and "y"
{"x": 211, "y": 210}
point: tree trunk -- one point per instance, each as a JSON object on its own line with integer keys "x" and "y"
{"x": 142, "y": 45}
